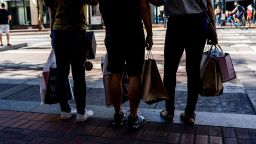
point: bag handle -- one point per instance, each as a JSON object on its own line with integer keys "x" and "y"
{"x": 149, "y": 55}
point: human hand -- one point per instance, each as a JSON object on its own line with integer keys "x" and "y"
{"x": 149, "y": 42}
{"x": 212, "y": 38}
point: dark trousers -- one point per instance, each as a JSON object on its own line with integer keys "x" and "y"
{"x": 69, "y": 51}
{"x": 184, "y": 33}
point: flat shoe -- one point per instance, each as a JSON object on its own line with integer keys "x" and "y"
{"x": 166, "y": 116}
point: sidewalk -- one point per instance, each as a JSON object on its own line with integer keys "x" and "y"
{"x": 23, "y": 127}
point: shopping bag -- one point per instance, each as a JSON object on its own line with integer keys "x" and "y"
{"x": 153, "y": 89}
{"x": 90, "y": 45}
{"x": 224, "y": 60}
{"x": 106, "y": 82}
{"x": 48, "y": 82}
{"x": 211, "y": 83}
{"x": 226, "y": 67}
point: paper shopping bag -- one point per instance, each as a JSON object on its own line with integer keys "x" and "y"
{"x": 211, "y": 78}
{"x": 226, "y": 67}
{"x": 153, "y": 89}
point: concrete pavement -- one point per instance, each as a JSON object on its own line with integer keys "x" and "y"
{"x": 235, "y": 109}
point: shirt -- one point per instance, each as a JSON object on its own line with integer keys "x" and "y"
{"x": 4, "y": 16}
{"x": 183, "y": 7}
{"x": 70, "y": 15}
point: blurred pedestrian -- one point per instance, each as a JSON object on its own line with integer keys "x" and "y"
{"x": 192, "y": 38}
{"x": 239, "y": 11}
{"x": 218, "y": 13}
{"x": 125, "y": 43}
{"x": 5, "y": 18}
{"x": 249, "y": 14}
{"x": 69, "y": 28}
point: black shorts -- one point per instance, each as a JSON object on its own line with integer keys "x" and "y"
{"x": 125, "y": 54}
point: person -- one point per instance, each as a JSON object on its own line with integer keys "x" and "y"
{"x": 217, "y": 13}
{"x": 125, "y": 44}
{"x": 239, "y": 11}
{"x": 68, "y": 30}
{"x": 192, "y": 39}
{"x": 5, "y": 18}
{"x": 249, "y": 13}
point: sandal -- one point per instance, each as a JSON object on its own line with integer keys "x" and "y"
{"x": 164, "y": 114}
{"x": 188, "y": 119}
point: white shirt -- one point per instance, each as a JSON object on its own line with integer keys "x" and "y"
{"x": 183, "y": 7}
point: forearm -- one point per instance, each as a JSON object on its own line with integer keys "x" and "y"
{"x": 211, "y": 13}
{"x": 146, "y": 16}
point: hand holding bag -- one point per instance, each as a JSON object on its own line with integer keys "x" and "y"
{"x": 153, "y": 89}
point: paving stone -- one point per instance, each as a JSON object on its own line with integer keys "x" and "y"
{"x": 229, "y": 132}
{"x": 174, "y": 138}
{"x": 215, "y": 140}
{"x": 19, "y": 123}
{"x": 244, "y": 141}
{"x": 242, "y": 133}
{"x": 202, "y": 130}
{"x": 201, "y": 139}
{"x": 215, "y": 131}
{"x": 230, "y": 141}
{"x": 252, "y": 133}
{"x": 187, "y": 138}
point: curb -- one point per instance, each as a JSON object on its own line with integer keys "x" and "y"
{"x": 16, "y": 46}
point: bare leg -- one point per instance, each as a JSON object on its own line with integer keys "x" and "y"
{"x": 8, "y": 38}
{"x": 1, "y": 39}
{"x": 134, "y": 93}
{"x": 116, "y": 92}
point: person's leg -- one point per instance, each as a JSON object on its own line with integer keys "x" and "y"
{"x": 60, "y": 46}
{"x": 194, "y": 50}
{"x": 173, "y": 51}
{"x": 134, "y": 94}
{"x": 134, "y": 63}
{"x": 7, "y": 31}
{"x": 115, "y": 66}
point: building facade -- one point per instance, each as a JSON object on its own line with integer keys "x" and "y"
{"x": 25, "y": 12}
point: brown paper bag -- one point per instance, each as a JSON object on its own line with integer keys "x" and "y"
{"x": 211, "y": 78}
{"x": 153, "y": 89}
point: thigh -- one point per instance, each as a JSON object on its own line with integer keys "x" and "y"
{"x": 134, "y": 53}
{"x": 7, "y": 29}
{"x": 115, "y": 49}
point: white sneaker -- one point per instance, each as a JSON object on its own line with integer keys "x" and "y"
{"x": 81, "y": 118}
{"x": 66, "y": 115}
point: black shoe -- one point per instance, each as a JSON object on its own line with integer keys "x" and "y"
{"x": 1, "y": 45}
{"x": 136, "y": 123}
{"x": 118, "y": 120}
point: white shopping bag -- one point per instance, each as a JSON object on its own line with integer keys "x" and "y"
{"x": 48, "y": 82}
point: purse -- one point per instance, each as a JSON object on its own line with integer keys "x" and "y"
{"x": 153, "y": 89}
{"x": 90, "y": 44}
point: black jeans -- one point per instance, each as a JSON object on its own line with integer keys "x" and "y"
{"x": 184, "y": 33}
{"x": 69, "y": 51}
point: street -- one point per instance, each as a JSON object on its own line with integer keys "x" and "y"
{"x": 20, "y": 72}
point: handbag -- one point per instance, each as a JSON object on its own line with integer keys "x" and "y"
{"x": 90, "y": 44}
{"x": 48, "y": 82}
{"x": 211, "y": 81}
{"x": 106, "y": 82}
{"x": 153, "y": 89}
